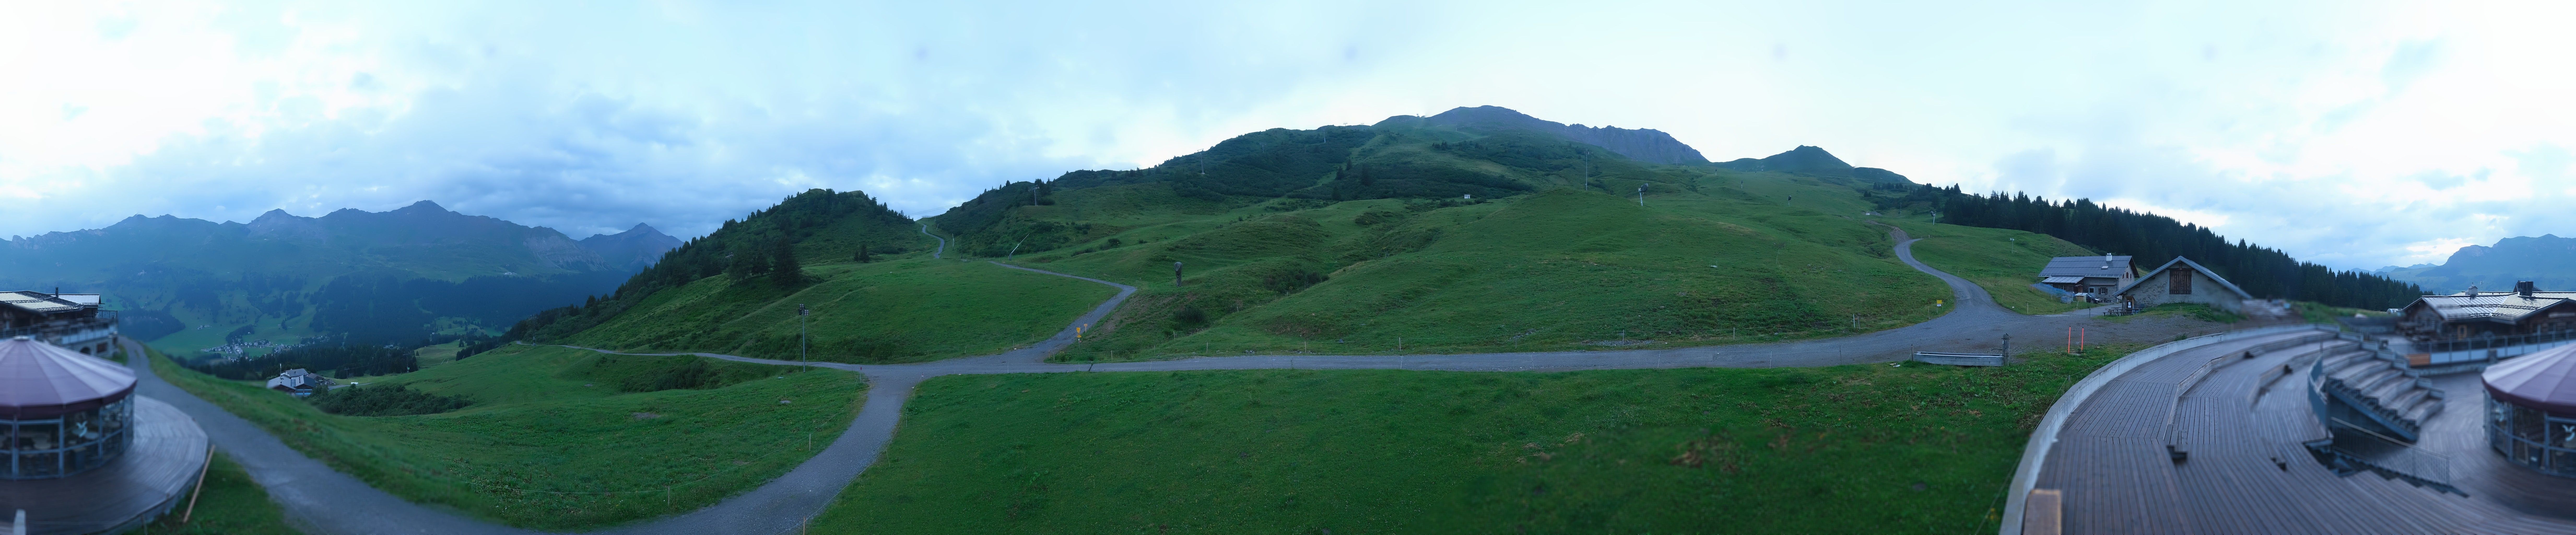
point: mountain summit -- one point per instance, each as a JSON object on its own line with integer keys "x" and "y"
{"x": 1641, "y": 144}
{"x": 1814, "y": 161}
{"x": 633, "y": 250}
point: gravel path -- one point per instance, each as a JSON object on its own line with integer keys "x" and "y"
{"x": 326, "y": 501}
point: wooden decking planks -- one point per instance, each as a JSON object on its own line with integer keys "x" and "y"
{"x": 167, "y": 450}
{"x": 2231, "y": 484}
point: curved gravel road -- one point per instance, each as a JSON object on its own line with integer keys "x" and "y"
{"x": 325, "y": 501}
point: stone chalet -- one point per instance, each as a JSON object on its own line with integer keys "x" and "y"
{"x": 71, "y": 321}
{"x": 2475, "y": 314}
{"x": 2182, "y": 281}
{"x": 2096, "y": 276}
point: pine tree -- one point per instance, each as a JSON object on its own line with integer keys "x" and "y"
{"x": 784, "y": 265}
{"x": 862, "y": 256}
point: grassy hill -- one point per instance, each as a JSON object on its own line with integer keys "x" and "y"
{"x": 891, "y": 311}
{"x": 548, "y": 420}
{"x": 1713, "y": 256}
{"x": 1845, "y": 449}
{"x": 2003, "y": 261}
{"x": 736, "y": 292}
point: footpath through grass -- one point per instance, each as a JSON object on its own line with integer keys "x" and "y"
{"x": 1848, "y": 449}
{"x": 2005, "y": 262}
{"x": 905, "y": 310}
{"x": 549, "y": 421}
{"x": 230, "y": 504}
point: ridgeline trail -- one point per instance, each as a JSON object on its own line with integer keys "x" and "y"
{"x": 326, "y": 501}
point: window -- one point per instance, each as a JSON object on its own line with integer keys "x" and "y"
{"x": 2180, "y": 281}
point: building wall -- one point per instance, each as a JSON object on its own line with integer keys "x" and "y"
{"x": 2158, "y": 290}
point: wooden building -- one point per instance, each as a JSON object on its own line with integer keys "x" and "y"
{"x": 2093, "y": 276}
{"x": 69, "y": 320}
{"x": 2182, "y": 281}
{"x": 2474, "y": 314}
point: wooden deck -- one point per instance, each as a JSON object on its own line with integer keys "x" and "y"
{"x": 2247, "y": 471}
{"x": 153, "y": 476}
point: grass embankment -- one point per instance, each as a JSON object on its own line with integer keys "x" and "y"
{"x": 2005, "y": 262}
{"x": 905, "y": 310}
{"x": 1557, "y": 269}
{"x": 229, "y": 504}
{"x": 548, "y": 420}
{"x": 1845, "y": 449}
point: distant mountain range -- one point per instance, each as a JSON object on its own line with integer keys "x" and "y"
{"x": 393, "y": 275}
{"x": 2548, "y": 260}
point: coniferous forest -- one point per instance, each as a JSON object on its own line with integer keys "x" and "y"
{"x": 2154, "y": 240}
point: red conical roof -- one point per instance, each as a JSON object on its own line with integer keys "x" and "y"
{"x": 39, "y": 380}
{"x": 2544, "y": 379}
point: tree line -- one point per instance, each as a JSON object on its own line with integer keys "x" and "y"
{"x": 765, "y": 246}
{"x": 2154, "y": 240}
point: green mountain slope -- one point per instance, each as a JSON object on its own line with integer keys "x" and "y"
{"x": 729, "y": 293}
{"x": 1454, "y": 236}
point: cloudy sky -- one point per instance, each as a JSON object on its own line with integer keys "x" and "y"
{"x": 2351, "y": 133}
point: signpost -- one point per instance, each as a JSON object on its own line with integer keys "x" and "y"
{"x": 801, "y": 312}
{"x": 1176, "y": 274}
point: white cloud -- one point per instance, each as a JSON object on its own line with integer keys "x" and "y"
{"x": 2348, "y": 133}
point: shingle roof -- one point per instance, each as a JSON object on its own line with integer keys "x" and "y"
{"x": 38, "y": 380}
{"x": 2544, "y": 380}
{"x": 2086, "y": 266}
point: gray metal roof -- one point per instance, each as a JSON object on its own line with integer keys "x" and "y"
{"x": 2086, "y": 266}
{"x": 2062, "y": 279}
{"x": 38, "y": 302}
{"x": 2195, "y": 266}
{"x": 2500, "y": 307}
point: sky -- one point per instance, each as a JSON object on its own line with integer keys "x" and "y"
{"x": 2352, "y": 134}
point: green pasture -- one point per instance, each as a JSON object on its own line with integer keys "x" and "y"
{"x": 906, "y": 310}
{"x": 547, "y": 422}
{"x": 1563, "y": 268}
{"x": 1848, "y": 449}
{"x": 2005, "y": 262}
{"x": 229, "y": 503}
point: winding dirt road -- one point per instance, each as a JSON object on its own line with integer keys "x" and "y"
{"x": 326, "y": 501}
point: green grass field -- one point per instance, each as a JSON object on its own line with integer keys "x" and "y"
{"x": 906, "y": 310}
{"x": 1847, "y": 449}
{"x": 1556, "y": 269}
{"x": 229, "y": 504}
{"x": 549, "y": 420}
{"x": 2004, "y": 262}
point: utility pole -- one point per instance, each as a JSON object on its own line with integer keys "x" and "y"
{"x": 801, "y": 312}
{"x": 2007, "y": 348}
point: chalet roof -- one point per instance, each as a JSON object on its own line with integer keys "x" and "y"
{"x": 2086, "y": 266}
{"x": 2063, "y": 279}
{"x": 2195, "y": 266}
{"x": 40, "y": 302}
{"x": 2544, "y": 380}
{"x": 39, "y": 380}
{"x": 2499, "y": 307}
